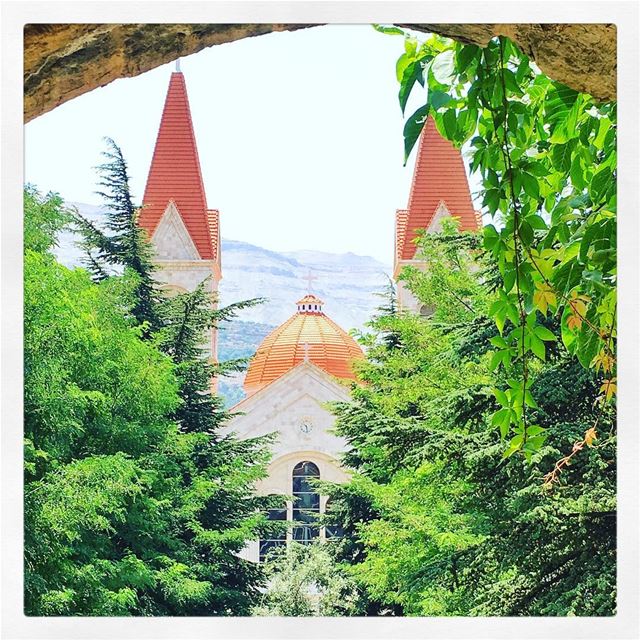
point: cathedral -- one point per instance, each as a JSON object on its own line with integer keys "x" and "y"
{"x": 308, "y": 362}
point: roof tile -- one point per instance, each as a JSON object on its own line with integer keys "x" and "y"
{"x": 175, "y": 174}
{"x": 439, "y": 175}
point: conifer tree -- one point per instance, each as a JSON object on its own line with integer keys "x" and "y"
{"x": 122, "y": 243}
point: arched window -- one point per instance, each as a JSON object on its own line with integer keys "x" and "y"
{"x": 306, "y": 502}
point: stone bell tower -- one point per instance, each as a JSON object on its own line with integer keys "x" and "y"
{"x": 439, "y": 189}
{"x": 185, "y": 233}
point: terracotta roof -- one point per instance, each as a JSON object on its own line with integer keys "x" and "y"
{"x": 310, "y": 335}
{"x": 439, "y": 175}
{"x": 175, "y": 172}
{"x": 310, "y": 299}
{"x": 213, "y": 218}
{"x": 402, "y": 215}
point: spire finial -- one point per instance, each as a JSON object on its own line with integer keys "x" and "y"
{"x": 309, "y": 278}
{"x": 178, "y": 65}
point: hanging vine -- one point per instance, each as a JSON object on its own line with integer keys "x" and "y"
{"x": 546, "y": 158}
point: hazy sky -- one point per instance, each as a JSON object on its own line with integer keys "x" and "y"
{"x": 299, "y": 136}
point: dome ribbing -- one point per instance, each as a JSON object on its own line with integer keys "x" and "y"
{"x": 309, "y": 335}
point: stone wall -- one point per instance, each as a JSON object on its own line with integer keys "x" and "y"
{"x": 62, "y": 61}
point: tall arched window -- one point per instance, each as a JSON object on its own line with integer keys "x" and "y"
{"x": 306, "y": 502}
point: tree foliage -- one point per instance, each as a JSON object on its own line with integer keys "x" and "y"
{"x": 437, "y": 521}
{"x": 134, "y": 504}
{"x": 123, "y": 242}
{"x": 304, "y": 580}
{"x": 546, "y": 156}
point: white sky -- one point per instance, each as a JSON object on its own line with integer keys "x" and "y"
{"x": 299, "y": 136}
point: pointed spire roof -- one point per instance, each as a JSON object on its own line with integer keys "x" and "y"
{"x": 175, "y": 174}
{"x": 439, "y": 176}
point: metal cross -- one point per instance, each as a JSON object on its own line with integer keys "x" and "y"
{"x": 309, "y": 278}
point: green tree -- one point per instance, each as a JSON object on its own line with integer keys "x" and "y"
{"x": 546, "y": 155}
{"x": 304, "y": 580}
{"x": 131, "y": 508}
{"x": 123, "y": 242}
{"x": 436, "y": 520}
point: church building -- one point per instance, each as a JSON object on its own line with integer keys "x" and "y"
{"x": 439, "y": 189}
{"x": 300, "y": 366}
{"x": 308, "y": 362}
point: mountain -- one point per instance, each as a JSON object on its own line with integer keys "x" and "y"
{"x": 346, "y": 282}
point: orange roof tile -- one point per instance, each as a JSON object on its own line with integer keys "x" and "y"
{"x": 402, "y": 215}
{"x": 213, "y": 218}
{"x": 175, "y": 172}
{"x": 310, "y": 299}
{"x": 306, "y": 335}
{"x": 439, "y": 175}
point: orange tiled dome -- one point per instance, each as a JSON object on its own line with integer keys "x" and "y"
{"x": 309, "y": 333}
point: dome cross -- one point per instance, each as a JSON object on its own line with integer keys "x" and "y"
{"x": 310, "y": 278}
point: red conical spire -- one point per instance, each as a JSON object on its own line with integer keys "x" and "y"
{"x": 439, "y": 176}
{"x": 175, "y": 172}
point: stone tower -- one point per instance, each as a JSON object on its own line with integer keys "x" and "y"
{"x": 185, "y": 234}
{"x": 439, "y": 189}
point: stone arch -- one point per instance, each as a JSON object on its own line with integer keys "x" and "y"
{"x": 62, "y": 61}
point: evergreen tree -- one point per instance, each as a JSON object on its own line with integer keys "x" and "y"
{"x": 122, "y": 243}
{"x": 134, "y": 503}
{"x": 436, "y": 520}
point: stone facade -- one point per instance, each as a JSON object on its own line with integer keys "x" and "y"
{"x": 179, "y": 266}
{"x": 294, "y": 407}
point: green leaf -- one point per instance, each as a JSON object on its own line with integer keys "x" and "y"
{"x": 544, "y": 334}
{"x": 410, "y": 45}
{"x": 411, "y": 73}
{"x": 501, "y": 397}
{"x": 559, "y": 101}
{"x": 593, "y": 231}
{"x": 599, "y": 183}
{"x": 412, "y": 129}
{"x": 526, "y": 233}
{"x": 561, "y": 156}
{"x": 498, "y": 341}
{"x": 515, "y": 444}
{"x": 537, "y": 347}
{"x": 496, "y": 359}
{"x": 492, "y": 200}
{"x": 603, "y": 127}
{"x": 577, "y": 173}
{"x": 534, "y": 430}
{"x": 465, "y": 55}
{"x": 491, "y": 236}
{"x": 391, "y": 31}
{"x": 443, "y": 67}
{"x": 509, "y": 279}
{"x": 438, "y": 99}
{"x": 449, "y": 122}
{"x": 536, "y": 222}
{"x": 530, "y": 184}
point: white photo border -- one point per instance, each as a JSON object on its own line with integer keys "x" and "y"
{"x": 623, "y": 13}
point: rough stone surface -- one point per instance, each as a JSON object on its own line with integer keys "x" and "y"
{"x": 582, "y": 56}
{"x": 62, "y": 61}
